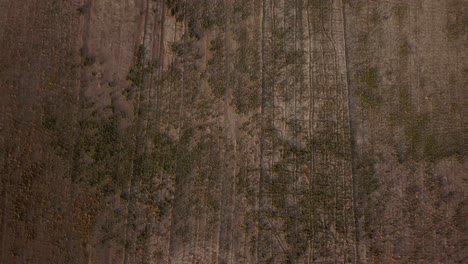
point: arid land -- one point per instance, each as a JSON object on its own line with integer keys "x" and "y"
{"x": 233, "y": 131}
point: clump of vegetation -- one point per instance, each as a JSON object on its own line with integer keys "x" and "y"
{"x": 405, "y": 50}
{"x": 184, "y": 161}
{"x": 430, "y": 148}
{"x": 136, "y": 73}
{"x": 207, "y": 23}
{"x": 50, "y": 122}
{"x": 195, "y": 29}
{"x": 165, "y": 155}
{"x": 367, "y": 91}
{"x": 84, "y": 9}
{"x": 217, "y": 68}
{"x": 176, "y": 8}
{"x": 363, "y": 39}
{"x": 414, "y": 132}
{"x": 375, "y": 18}
{"x": 421, "y": 142}
{"x": 369, "y": 77}
{"x": 455, "y": 29}
{"x": 367, "y": 181}
{"x": 403, "y": 107}
{"x": 314, "y": 4}
{"x": 86, "y": 57}
{"x": 457, "y": 21}
{"x": 401, "y": 12}
{"x": 88, "y": 61}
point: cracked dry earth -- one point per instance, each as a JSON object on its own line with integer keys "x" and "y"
{"x": 233, "y": 131}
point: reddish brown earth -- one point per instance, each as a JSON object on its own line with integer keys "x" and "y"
{"x": 221, "y": 131}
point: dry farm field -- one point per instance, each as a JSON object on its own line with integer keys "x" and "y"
{"x": 233, "y": 131}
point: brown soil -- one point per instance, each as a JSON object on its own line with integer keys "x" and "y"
{"x": 221, "y": 131}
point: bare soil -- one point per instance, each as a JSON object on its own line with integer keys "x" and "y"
{"x": 221, "y": 131}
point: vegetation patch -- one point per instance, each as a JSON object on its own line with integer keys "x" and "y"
{"x": 207, "y": 23}
{"x": 176, "y": 8}
{"x": 403, "y": 107}
{"x": 50, "y": 121}
{"x": 136, "y": 73}
{"x": 375, "y": 18}
{"x": 422, "y": 143}
{"x": 86, "y": 57}
{"x": 414, "y": 132}
{"x": 430, "y": 148}
{"x": 405, "y": 50}
{"x": 457, "y": 21}
{"x": 165, "y": 156}
{"x": 401, "y": 13}
{"x": 367, "y": 181}
{"x": 367, "y": 91}
{"x": 217, "y": 68}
